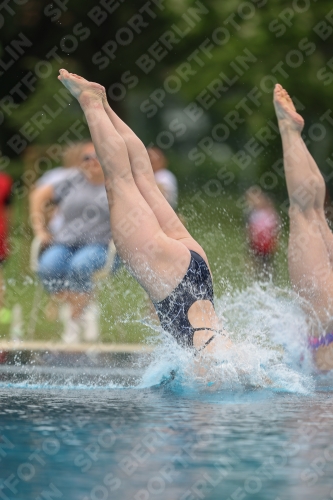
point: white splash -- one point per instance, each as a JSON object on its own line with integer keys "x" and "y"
{"x": 269, "y": 331}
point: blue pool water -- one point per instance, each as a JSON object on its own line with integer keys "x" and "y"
{"x": 257, "y": 423}
{"x": 124, "y": 444}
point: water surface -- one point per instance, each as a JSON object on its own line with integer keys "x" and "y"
{"x": 257, "y": 424}
{"x": 154, "y": 443}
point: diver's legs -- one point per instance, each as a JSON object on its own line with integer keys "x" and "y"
{"x": 157, "y": 261}
{"x": 308, "y": 257}
{"x": 145, "y": 180}
{"x": 313, "y": 186}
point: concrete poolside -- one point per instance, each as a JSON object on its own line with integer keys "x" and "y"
{"x": 81, "y": 355}
{"x": 33, "y": 345}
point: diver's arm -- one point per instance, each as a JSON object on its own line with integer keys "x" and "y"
{"x": 39, "y": 200}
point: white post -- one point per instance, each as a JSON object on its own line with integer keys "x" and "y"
{"x": 16, "y": 328}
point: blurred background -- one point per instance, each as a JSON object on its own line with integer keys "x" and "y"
{"x": 193, "y": 78}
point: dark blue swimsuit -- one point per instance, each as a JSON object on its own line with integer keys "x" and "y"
{"x": 173, "y": 310}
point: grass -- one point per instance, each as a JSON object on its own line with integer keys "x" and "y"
{"x": 218, "y": 225}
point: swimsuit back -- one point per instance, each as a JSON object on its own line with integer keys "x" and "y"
{"x": 173, "y": 310}
{"x": 316, "y": 342}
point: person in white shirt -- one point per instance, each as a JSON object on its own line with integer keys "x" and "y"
{"x": 165, "y": 180}
{"x": 76, "y": 247}
{"x": 71, "y": 157}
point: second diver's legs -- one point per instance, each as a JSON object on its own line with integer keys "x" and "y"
{"x": 313, "y": 188}
{"x": 319, "y": 205}
{"x": 308, "y": 254}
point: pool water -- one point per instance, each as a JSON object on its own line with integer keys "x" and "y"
{"x": 156, "y": 444}
{"x": 257, "y": 423}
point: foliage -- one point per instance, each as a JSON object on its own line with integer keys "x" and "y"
{"x": 252, "y": 42}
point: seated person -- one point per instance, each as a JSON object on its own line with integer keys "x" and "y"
{"x": 78, "y": 246}
{"x": 71, "y": 157}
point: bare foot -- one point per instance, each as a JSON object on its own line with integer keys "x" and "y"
{"x": 286, "y": 113}
{"x": 80, "y": 88}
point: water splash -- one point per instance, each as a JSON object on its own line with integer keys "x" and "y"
{"x": 269, "y": 331}
{"x": 270, "y": 316}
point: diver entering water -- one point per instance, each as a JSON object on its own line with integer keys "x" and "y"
{"x": 310, "y": 250}
{"x": 150, "y": 239}
{"x": 173, "y": 310}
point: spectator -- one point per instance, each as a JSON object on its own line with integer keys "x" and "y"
{"x": 167, "y": 183}
{"x": 5, "y": 197}
{"x": 71, "y": 157}
{"x": 262, "y": 230}
{"x": 165, "y": 180}
{"x": 76, "y": 246}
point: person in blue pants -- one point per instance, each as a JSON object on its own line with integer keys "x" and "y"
{"x": 78, "y": 244}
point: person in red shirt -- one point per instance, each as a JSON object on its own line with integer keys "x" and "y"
{"x": 262, "y": 230}
{"x": 5, "y": 196}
